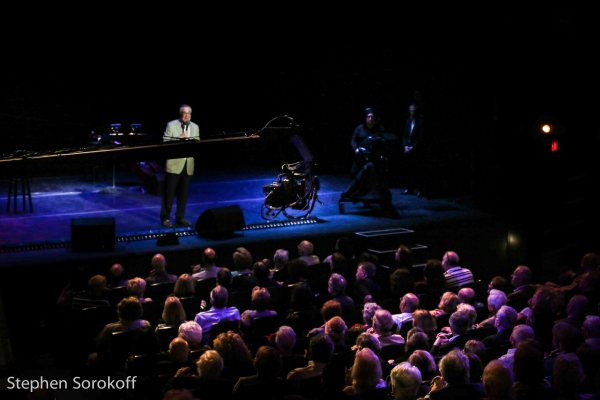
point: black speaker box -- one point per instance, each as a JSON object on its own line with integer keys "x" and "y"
{"x": 92, "y": 234}
{"x": 220, "y": 221}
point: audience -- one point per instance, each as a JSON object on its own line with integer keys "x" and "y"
{"x": 208, "y": 269}
{"x": 454, "y": 275}
{"x": 218, "y": 312}
{"x": 554, "y": 341}
{"x": 158, "y": 274}
{"x": 306, "y": 253}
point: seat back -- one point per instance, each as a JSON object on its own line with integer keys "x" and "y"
{"x": 165, "y": 335}
{"x": 152, "y": 312}
{"x": 223, "y": 326}
{"x": 204, "y": 287}
{"x": 392, "y": 352}
{"x": 268, "y": 324}
{"x": 117, "y": 294}
{"x": 191, "y": 305}
{"x": 240, "y": 300}
{"x": 159, "y": 291}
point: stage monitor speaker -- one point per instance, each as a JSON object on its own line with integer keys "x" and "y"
{"x": 92, "y": 234}
{"x": 220, "y": 221}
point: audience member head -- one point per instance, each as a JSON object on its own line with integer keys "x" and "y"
{"x": 566, "y": 337}
{"x": 261, "y": 298}
{"x": 459, "y": 322}
{"x": 158, "y": 263}
{"x": 519, "y": 333}
{"x": 191, "y": 331}
{"x": 336, "y": 284}
{"x": 454, "y": 367}
{"x": 521, "y": 276}
{"x": 500, "y": 283}
{"x": 129, "y": 309}
{"x": 97, "y": 285}
{"x": 450, "y": 260}
{"x": 433, "y": 273}
{"x": 231, "y": 347}
{"x": 173, "y": 311}
{"x": 426, "y": 321}
{"x": 409, "y": 303}
{"x": 497, "y": 381}
{"x": 116, "y": 273}
{"x": 280, "y": 258}
{"x": 506, "y": 318}
{"x": 336, "y": 329}
{"x": 402, "y": 281}
{"x": 209, "y": 257}
{"x": 365, "y": 270}
{"x": 405, "y": 380}
{"x": 476, "y": 347}
{"x": 224, "y": 277}
{"x": 470, "y": 310}
{"x": 285, "y": 340}
{"x": 368, "y": 312}
{"x": 424, "y": 361}
{"x": 179, "y": 350}
{"x": 589, "y": 354}
{"x": 449, "y": 302}
{"x": 242, "y": 259}
{"x": 495, "y": 300}
{"x": 267, "y": 362}
{"x": 330, "y": 309}
{"x": 578, "y": 306}
{"x": 136, "y": 287}
{"x": 383, "y": 322}
{"x": 591, "y": 327}
{"x": 368, "y": 340}
{"x": 467, "y": 295}
{"x": 179, "y": 394}
{"x": 366, "y": 371}
{"x": 404, "y": 256}
{"x": 184, "y": 286}
{"x": 320, "y": 348}
{"x": 416, "y": 340}
{"x": 210, "y": 365}
{"x": 305, "y": 248}
{"x": 260, "y": 270}
{"x": 219, "y": 297}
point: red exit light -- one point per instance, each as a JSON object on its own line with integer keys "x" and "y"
{"x": 554, "y": 145}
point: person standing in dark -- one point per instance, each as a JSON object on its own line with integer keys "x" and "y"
{"x": 413, "y": 162}
{"x": 360, "y": 138}
{"x": 179, "y": 171}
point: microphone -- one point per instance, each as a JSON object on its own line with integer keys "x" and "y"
{"x": 187, "y": 126}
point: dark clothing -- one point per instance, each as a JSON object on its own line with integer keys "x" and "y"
{"x": 501, "y": 338}
{"x": 255, "y": 387}
{"x": 414, "y": 160}
{"x": 160, "y": 277}
{"x": 363, "y": 287}
{"x": 175, "y": 184}
{"x": 519, "y": 298}
{"x": 463, "y": 391}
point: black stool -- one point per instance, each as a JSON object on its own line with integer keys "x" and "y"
{"x": 94, "y": 171}
{"x": 13, "y": 190}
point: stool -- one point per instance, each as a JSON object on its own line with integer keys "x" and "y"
{"x": 13, "y": 189}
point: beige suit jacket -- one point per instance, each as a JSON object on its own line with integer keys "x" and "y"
{"x": 173, "y": 130}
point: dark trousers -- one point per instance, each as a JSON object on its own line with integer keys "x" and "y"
{"x": 175, "y": 185}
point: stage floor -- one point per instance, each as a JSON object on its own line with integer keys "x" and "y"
{"x": 44, "y": 236}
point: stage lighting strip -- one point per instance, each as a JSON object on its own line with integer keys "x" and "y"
{"x": 134, "y": 237}
{"x": 280, "y": 224}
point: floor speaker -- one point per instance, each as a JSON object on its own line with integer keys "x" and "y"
{"x": 220, "y": 221}
{"x": 92, "y": 234}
